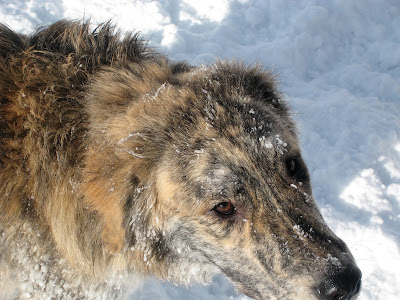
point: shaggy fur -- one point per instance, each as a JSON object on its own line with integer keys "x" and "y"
{"x": 117, "y": 164}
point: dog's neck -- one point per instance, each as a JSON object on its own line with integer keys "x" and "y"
{"x": 35, "y": 270}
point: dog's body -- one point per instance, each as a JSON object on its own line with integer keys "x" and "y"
{"x": 117, "y": 164}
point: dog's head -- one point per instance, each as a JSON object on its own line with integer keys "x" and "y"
{"x": 199, "y": 171}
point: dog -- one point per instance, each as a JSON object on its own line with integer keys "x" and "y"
{"x": 118, "y": 164}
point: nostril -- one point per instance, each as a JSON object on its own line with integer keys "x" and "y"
{"x": 341, "y": 286}
{"x": 339, "y": 296}
{"x": 328, "y": 291}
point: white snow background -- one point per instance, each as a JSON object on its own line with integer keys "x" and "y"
{"x": 339, "y": 66}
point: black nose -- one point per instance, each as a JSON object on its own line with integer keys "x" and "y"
{"x": 342, "y": 285}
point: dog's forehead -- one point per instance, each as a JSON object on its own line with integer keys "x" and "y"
{"x": 242, "y": 117}
{"x": 220, "y": 179}
{"x": 232, "y": 163}
{"x": 258, "y": 131}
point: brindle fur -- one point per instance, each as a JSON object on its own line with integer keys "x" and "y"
{"x": 112, "y": 159}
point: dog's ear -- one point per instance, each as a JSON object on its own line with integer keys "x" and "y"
{"x": 106, "y": 195}
{"x": 112, "y": 161}
{"x": 126, "y": 109}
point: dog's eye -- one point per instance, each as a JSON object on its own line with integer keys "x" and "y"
{"x": 292, "y": 165}
{"x": 225, "y": 208}
{"x": 296, "y": 168}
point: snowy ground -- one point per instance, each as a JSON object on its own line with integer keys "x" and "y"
{"x": 339, "y": 65}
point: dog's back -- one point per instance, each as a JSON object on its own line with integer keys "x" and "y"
{"x": 43, "y": 133}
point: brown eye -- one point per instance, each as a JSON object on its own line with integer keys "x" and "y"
{"x": 225, "y": 208}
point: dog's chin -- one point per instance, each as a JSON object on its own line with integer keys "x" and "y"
{"x": 189, "y": 273}
{"x": 299, "y": 288}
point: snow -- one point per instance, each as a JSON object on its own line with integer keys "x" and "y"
{"x": 339, "y": 66}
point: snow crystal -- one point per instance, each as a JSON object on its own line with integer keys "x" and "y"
{"x": 199, "y": 151}
{"x": 121, "y": 141}
{"x": 153, "y": 96}
{"x": 265, "y": 142}
{"x": 133, "y": 153}
{"x": 333, "y": 260}
{"x": 300, "y": 232}
{"x": 281, "y": 145}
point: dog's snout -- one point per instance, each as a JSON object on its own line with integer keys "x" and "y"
{"x": 341, "y": 286}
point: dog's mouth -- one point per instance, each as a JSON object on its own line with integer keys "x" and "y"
{"x": 338, "y": 283}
